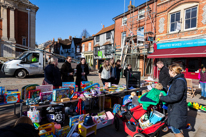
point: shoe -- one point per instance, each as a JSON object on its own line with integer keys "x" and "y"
{"x": 202, "y": 97}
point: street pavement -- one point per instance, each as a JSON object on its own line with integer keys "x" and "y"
{"x": 7, "y": 117}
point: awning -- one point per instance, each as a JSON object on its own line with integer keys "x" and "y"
{"x": 179, "y": 52}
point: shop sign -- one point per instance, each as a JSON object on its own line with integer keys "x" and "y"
{"x": 100, "y": 54}
{"x": 182, "y": 44}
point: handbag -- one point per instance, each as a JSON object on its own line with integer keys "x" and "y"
{"x": 34, "y": 115}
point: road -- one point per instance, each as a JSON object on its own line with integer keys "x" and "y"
{"x": 196, "y": 119}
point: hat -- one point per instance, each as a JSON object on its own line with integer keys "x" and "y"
{"x": 88, "y": 121}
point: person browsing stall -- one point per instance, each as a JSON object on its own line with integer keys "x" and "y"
{"x": 113, "y": 71}
{"x": 128, "y": 70}
{"x": 82, "y": 72}
{"x": 105, "y": 72}
{"x": 52, "y": 74}
{"x": 202, "y": 78}
{"x": 164, "y": 76}
{"x": 118, "y": 71}
{"x": 67, "y": 71}
{"x": 176, "y": 100}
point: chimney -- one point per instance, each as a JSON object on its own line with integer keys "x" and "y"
{"x": 102, "y": 26}
{"x": 70, "y": 38}
{"x": 93, "y": 35}
{"x": 83, "y": 37}
{"x": 130, "y": 7}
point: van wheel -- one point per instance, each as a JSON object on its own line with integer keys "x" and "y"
{"x": 20, "y": 73}
{"x": 138, "y": 135}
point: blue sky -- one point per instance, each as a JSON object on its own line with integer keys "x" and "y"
{"x": 62, "y": 18}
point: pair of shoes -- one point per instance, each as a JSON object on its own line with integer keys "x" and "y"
{"x": 202, "y": 97}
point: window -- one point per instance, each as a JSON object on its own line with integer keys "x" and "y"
{"x": 191, "y": 18}
{"x": 123, "y": 37}
{"x": 90, "y": 46}
{"x": 108, "y": 35}
{"x": 31, "y": 58}
{"x": 83, "y": 47}
{"x": 96, "y": 49}
{"x": 141, "y": 14}
{"x": 97, "y": 38}
{"x": 124, "y": 21}
{"x": 24, "y": 41}
{"x": 108, "y": 49}
{"x": 174, "y": 18}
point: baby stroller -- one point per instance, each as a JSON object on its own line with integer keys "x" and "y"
{"x": 130, "y": 114}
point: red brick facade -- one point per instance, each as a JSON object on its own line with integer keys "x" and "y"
{"x": 86, "y": 45}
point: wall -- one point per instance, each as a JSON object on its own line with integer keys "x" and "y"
{"x": 86, "y": 45}
{"x": 103, "y": 40}
{"x": 163, "y": 14}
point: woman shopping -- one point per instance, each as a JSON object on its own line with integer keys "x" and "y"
{"x": 82, "y": 72}
{"x": 176, "y": 100}
{"x": 113, "y": 71}
{"x": 202, "y": 78}
{"x": 105, "y": 72}
{"x": 118, "y": 70}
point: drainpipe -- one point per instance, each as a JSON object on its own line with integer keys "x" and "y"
{"x": 29, "y": 22}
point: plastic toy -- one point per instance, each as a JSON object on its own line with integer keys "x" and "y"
{"x": 49, "y": 127}
{"x": 34, "y": 93}
{"x": 12, "y": 97}
{"x": 90, "y": 86}
{"x": 62, "y": 132}
{"x": 58, "y": 94}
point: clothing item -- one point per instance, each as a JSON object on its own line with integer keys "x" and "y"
{"x": 126, "y": 71}
{"x": 52, "y": 75}
{"x": 105, "y": 80}
{"x": 83, "y": 76}
{"x": 34, "y": 59}
{"x": 20, "y": 130}
{"x": 116, "y": 81}
{"x": 105, "y": 74}
{"x": 176, "y": 100}
{"x": 79, "y": 75}
{"x": 151, "y": 98}
{"x": 65, "y": 71}
{"x": 113, "y": 70}
{"x": 203, "y": 89}
{"x": 118, "y": 71}
{"x": 202, "y": 77}
{"x": 112, "y": 80}
{"x": 175, "y": 130}
{"x": 164, "y": 76}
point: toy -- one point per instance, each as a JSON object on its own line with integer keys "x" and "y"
{"x": 32, "y": 101}
{"x": 45, "y": 88}
{"x": 26, "y": 88}
{"x": 44, "y": 96}
{"x": 34, "y": 93}
{"x": 74, "y": 120}
{"x": 2, "y": 89}
{"x": 36, "y": 125}
{"x": 87, "y": 94}
{"x": 132, "y": 95}
{"x": 63, "y": 131}
{"x": 12, "y": 97}
{"x": 58, "y": 94}
{"x": 90, "y": 86}
{"x": 85, "y": 84}
{"x": 70, "y": 85}
{"x": 49, "y": 127}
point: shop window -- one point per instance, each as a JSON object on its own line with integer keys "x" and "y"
{"x": 123, "y": 37}
{"x": 191, "y": 18}
{"x": 90, "y": 46}
{"x": 181, "y": 62}
{"x": 96, "y": 49}
{"x": 174, "y": 18}
{"x": 193, "y": 65}
{"x": 203, "y": 63}
{"x": 24, "y": 41}
{"x": 108, "y": 49}
{"x": 97, "y": 38}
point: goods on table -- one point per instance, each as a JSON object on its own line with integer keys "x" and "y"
{"x": 196, "y": 106}
{"x": 12, "y": 97}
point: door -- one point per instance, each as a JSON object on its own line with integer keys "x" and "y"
{"x": 192, "y": 68}
{"x": 32, "y": 63}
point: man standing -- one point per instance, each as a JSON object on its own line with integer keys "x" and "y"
{"x": 164, "y": 76}
{"x": 67, "y": 71}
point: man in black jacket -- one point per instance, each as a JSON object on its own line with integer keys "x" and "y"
{"x": 67, "y": 71}
{"x": 164, "y": 76}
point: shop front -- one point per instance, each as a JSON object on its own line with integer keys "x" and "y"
{"x": 190, "y": 54}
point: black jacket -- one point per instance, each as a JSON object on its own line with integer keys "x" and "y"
{"x": 20, "y": 130}
{"x": 164, "y": 76}
{"x": 52, "y": 75}
{"x": 125, "y": 72}
{"x": 177, "y": 104}
{"x": 67, "y": 68}
{"x": 118, "y": 71}
{"x": 79, "y": 71}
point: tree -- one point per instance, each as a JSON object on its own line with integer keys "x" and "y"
{"x": 85, "y": 33}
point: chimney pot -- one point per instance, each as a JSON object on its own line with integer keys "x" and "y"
{"x": 102, "y": 26}
{"x": 130, "y": 7}
{"x": 70, "y": 38}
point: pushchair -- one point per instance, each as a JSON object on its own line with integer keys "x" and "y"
{"x": 130, "y": 114}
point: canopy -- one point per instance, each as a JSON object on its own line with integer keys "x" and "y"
{"x": 179, "y": 52}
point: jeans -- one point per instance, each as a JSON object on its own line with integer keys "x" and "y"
{"x": 203, "y": 89}
{"x": 175, "y": 130}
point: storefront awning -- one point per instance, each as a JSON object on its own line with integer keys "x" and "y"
{"x": 179, "y": 52}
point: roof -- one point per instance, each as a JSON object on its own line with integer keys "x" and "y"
{"x": 77, "y": 40}
{"x": 179, "y": 52}
{"x": 135, "y": 9}
{"x": 87, "y": 39}
{"x": 97, "y": 45}
{"x": 65, "y": 41}
{"x": 107, "y": 43}
{"x": 103, "y": 30}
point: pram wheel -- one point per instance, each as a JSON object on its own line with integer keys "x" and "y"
{"x": 116, "y": 123}
{"x": 138, "y": 135}
{"x": 165, "y": 129}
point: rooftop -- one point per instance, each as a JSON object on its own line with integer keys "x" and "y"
{"x": 103, "y": 30}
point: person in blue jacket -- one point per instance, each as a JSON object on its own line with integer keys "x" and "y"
{"x": 176, "y": 100}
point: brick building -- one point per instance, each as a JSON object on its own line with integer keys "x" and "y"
{"x": 87, "y": 49}
{"x": 18, "y": 25}
{"x": 180, "y": 34}
{"x": 128, "y": 25}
